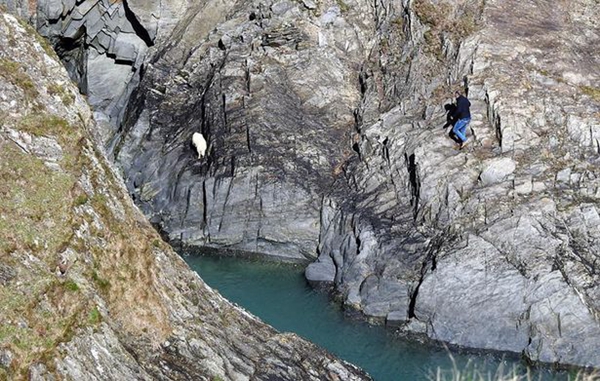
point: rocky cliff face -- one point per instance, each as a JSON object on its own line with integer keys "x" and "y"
{"x": 88, "y": 290}
{"x": 493, "y": 246}
{"x": 102, "y": 43}
{"x": 324, "y": 123}
{"x": 272, "y": 87}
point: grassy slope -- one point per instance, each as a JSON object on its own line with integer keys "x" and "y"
{"x": 70, "y": 250}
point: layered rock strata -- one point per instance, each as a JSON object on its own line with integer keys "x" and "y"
{"x": 272, "y": 88}
{"x": 324, "y": 125}
{"x": 493, "y": 246}
{"x": 490, "y": 247}
{"x": 88, "y": 290}
{"x": 103, "y": 44}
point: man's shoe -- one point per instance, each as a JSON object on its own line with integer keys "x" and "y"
{"x": 464, "y": 144}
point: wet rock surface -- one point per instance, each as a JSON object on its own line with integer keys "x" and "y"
{"x": 88, "y": 290}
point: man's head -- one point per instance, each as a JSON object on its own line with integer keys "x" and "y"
{"x": 457, "y": 94}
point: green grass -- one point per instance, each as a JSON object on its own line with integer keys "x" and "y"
{"x": 33, "y": 200}
{"x": 94, "y": 316}
{"x": 66, "y": 96}
{"x": 14, "y": 73}
{"x": 45, "y": 125}
{"x": 68, "y": 136}
{"x": 82, "y": 199}
{"x": 102, "y": 283}
{"x": 593, "y": 92}
{"x": 71, "y": 286}
{"x": 343, "y": 6}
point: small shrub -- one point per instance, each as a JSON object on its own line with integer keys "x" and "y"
{"x": 44, "y": 125}
{"x": 65, "y": 95}
{"x": 82, "y": 199}
{"x": 343, "y": 6}
{"x": 94, "y": 317}
{"x": 102, "y": 283}
{"x": 14, "y": 73}
{"x": 430, "y": 14}
{"x": 71, "y": 286}
{"x": 443, "y": 25}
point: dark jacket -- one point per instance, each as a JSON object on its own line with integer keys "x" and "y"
{"x": 462, "y": 108}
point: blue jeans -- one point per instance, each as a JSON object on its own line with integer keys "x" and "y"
{"x": 460, "y": 129}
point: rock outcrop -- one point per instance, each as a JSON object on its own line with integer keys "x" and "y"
{"x": 272, "y": 88}
{"x": 494, "y": 246}
{"x": 103, "y": 44}
{"x": 88, "y": 290}
{"x": 324, "y": 128}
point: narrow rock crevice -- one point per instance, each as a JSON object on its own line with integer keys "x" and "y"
{"x": 415, "y": 185}
{"x": 139, "y": 29}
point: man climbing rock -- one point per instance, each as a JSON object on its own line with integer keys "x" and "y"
{"x": 462, "y": 115}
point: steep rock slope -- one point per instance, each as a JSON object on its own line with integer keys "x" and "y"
{"x": 102, "y": 43}
{"x": 88, "y": 290}
{"x": 272, "y": 87}
{"x": 493, "y": 247}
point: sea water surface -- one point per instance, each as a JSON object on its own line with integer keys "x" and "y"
{"x": 279, "y": 294}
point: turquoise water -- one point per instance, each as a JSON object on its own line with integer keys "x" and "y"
{"x": 279, "y": 295}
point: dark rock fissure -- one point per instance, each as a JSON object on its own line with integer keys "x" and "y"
{"x": 414, "y": 182}
{"x": 429, "y": 264}
{"x": 137, "y": 27}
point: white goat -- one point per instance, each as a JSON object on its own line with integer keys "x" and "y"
{"x": 200, "y": 143}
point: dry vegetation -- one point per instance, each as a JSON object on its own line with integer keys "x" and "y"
{"x": 592, "y": 92}
{"x": 446, "y": 21}
{"x": 74, "y": 253}
{"x": 470, "y": 373}
{"x": 60, "y": 246}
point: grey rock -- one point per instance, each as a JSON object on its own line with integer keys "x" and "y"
{"x": 7, "y": 273}
{"x": 6, "y": 358}
{"x": 564, "y": 176}
{"x": 499, "y": 301}
{"x": 267, "y": 199}
{"x": 39, "y": 372}
{"x": 310, "y": 4}
{"x": 379, "y": 297}
{"x": 109, "y": 28}
{"x": 53, "y": 9}
{"x": 108, "y": 326}
{"x": 497, "y": 170}
{"x": 127, "y": 47}
{"x": 104, "y": 78}
{"x": 282, "y": 7}
{"x": 325, "y": 138}
{"x": 322, "y": 270}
